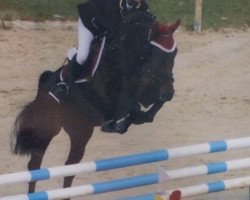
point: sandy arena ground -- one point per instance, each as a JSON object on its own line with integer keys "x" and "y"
{"x": 212, "y": 102}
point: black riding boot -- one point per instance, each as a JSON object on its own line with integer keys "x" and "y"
{"x": 75, "y": 71}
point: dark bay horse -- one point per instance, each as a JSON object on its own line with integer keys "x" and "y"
{"x": 88, "y": 103}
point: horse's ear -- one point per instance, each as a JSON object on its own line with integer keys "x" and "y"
{"x": 172, "y": 28}
{"x": 162, "y": 29}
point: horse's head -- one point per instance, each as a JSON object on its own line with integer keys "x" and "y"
{"x": 159, "y": 71}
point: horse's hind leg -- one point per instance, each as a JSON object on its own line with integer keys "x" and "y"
{"x": 77, "y": 151}
{"x": 46, "y": 124}
{"x": 79, "y": 131}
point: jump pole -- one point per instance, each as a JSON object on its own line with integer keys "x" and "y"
{"x": 125, "y": 161}
{"x": 190, "y": 191}
{"x": 135, "y": 181}
{"x": 211, "y": 187}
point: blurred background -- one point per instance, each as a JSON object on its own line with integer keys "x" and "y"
{"x": 215, "y": 13}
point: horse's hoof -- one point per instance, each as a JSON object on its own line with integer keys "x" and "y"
{"x": 108, "y": 126}
{"x": 120, "y": 129}
{"x": 121, "y": 126}
{"x": 112, "y": 126}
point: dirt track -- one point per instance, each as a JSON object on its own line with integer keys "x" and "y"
{"x": 212, "y": 102}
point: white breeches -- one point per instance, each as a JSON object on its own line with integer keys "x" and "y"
{"x": 85, "y": 37}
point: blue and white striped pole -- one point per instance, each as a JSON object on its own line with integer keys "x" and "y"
{"x": 190, "y": 191}
{"x": 125, "y": 161}
{"x": 211, "y": 168}
{"x": 136, "y": 181}
{"x": 211, "y": 187}
{"x": 95, "y": 188}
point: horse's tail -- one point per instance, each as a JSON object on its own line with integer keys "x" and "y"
{"x": 23, "y": 138}
{"x": 34, "y": 123}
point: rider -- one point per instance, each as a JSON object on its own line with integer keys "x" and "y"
{"x": 97, "y": 17}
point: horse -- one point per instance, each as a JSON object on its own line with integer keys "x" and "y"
{"x": 88, "y": 103}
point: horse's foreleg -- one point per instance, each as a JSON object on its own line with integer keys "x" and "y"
{"x": 123, "y": 108}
